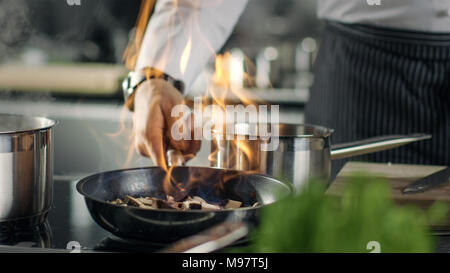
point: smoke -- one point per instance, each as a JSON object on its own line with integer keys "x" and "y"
{"x": 15, "y": 27}
{"x": 14, "y": 23}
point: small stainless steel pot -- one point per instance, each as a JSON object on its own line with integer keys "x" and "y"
{"x": 304, "y": 151}
{"x": 26, "y": 169}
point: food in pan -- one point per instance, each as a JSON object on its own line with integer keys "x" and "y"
{"x": 188, "y": 203}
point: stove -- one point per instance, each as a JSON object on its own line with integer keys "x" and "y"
{"x": 70, "y": 227}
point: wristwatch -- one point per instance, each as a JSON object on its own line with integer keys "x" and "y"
{"x": 135, "y": 78}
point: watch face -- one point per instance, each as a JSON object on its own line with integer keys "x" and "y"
{"x": 135, "y": 78}
{"x": 126, "y": 84}
{"x": 130, "y": 82}
{"x": 127, "y": 87}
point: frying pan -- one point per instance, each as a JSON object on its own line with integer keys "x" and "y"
{"x": 166, "y": 225}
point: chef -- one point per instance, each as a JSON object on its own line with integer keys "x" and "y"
{"x": 383, "y": 67}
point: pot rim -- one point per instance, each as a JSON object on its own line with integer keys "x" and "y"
{"x": 285, "y": 130}
{"x": 46, "y": 124}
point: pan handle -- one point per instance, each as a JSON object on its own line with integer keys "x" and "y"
{"x": 212, "y": 239}
{"x": 374, "y": 144}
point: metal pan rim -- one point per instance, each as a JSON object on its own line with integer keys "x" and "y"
{"x": 82, "y": 181}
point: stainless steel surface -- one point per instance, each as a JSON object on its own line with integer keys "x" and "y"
{"x": 428, "y": 182}
{"x": 304, "y": 152}
{"x": 26, "y": 168}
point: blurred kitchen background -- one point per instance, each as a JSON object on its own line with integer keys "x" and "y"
{"x": 65, "y": 62}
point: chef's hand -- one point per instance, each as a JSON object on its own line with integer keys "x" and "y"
{"x": 153, "y": 103}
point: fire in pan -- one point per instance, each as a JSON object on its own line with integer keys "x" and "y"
{"x": 164, "y": 225}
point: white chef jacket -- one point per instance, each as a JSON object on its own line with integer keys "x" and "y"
{"x": 182, "y": 35}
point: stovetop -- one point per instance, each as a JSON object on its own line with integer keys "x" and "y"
{"x": 70, "y": 227}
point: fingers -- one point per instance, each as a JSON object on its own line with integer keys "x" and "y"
{"x": 150, "y": 137}
{"x": 154, "y": 101}
{"x": 194, "y": 147}
{"x": 180, "y": 145}
{"x": 156, "y": 147}
{"x": 187, "y": 146}
{"x": 152, "y": 146}
{"x": 178, "y": 131}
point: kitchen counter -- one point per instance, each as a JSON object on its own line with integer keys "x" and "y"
{"x": 398, "y": 176}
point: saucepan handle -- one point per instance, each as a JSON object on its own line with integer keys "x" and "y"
{"x": 212, "y": 239}
{"x": 374, "y": 144}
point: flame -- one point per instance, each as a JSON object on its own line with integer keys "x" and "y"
{"x": 222, "y": 72}
{"x": 185, "y": 56}
{"x": 228, "y": 79}
{"x": 130, "y": 57}
{"x": 241, "y": 154}
{"x": 131, "y": 53}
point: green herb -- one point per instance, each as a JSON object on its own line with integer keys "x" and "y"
{"x": 314, "y": 222}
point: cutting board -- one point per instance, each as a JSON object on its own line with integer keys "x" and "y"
{"x": 398, "y": 176}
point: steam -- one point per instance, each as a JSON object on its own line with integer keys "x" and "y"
{"x": 15, "y": 27}
{"x": 14, "y": 23}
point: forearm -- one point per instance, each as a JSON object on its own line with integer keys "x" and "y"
{"x": 183, "y": 35}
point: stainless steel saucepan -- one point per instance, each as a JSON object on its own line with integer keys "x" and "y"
{"x": 26, "y": 169}
{"x": 304, "y": 151}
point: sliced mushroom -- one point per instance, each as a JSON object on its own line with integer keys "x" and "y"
{"x": 118, "y": 201}
{"x": 146, "y": 201}
{"x": 129, "y": 200}
{"x": 232, "y": 204}
{"x": 198, "y": 199}
{"x": 163, "y": 204}
{"x": 190, "y": 202}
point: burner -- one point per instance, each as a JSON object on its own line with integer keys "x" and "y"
{"x": 27, "y": 223}
{"x": 70, "y": 221}
{"x": 36, "y": 236}
{"x": 117, "y": 244}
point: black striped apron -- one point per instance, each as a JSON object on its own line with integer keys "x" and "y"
{"x": 372, "y": 81}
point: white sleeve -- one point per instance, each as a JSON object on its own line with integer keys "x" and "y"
{"x": 182, "y": 35}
